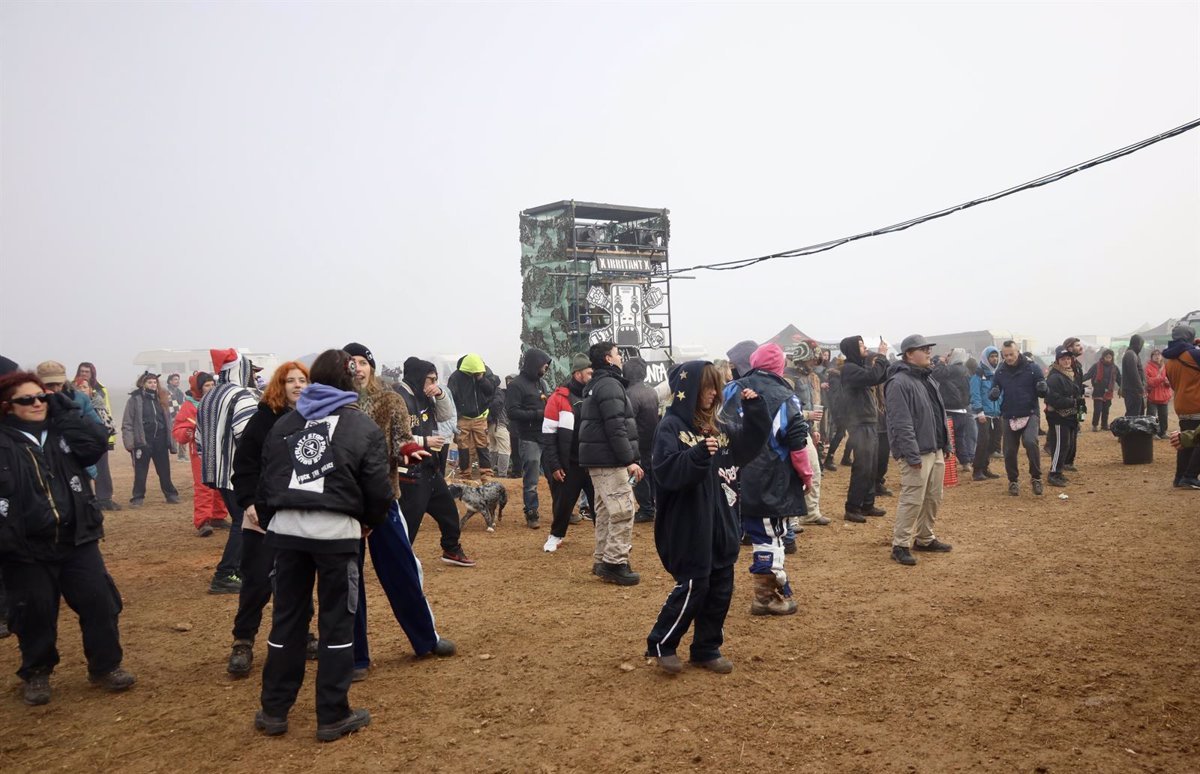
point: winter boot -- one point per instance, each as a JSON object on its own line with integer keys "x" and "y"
{"x": 769, "y": 599}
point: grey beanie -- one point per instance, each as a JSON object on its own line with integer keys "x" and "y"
{"x": 1183, "y": 333}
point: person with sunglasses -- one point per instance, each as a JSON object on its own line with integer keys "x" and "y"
{"x": 49, "y": 535}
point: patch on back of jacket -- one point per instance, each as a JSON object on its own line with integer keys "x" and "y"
{"x": 312, "y": 454}
{"x": 3, "y": 507}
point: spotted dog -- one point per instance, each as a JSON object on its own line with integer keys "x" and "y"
{"x": 488, "y": 499}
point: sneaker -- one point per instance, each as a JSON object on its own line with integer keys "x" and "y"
{"x": 444, "y": 648}
{"x": 225, "y": 584}
{"x": 964, "y": 467}
{"x": 720, "y": 665}
{"x": 359, "y": 674}
{"x": 173, "y": 500}
{"x": 312, "y": 648}
{"x": 586, "y": 514}
{"x": 204, "y": 530}
{"x": 241, "y": 658}
{"x": 531, "y": 521}
{"x": 789, "y": 546}
{"x": 552, "y": 544}
{"x": 873, "y": 511}
{"x": 670, "y": 664}
{"x": 331, "y": 732}
{"x": 903, "y": 556}
{"x": 1189, "y": 483}
{"x": 643, "y": 518}
{"x": 819, "y": 521}
{"x": 1070, "y": 468}
{"x": 458, "y": 558}
{"x": 218, "y": 523}
{"x": 934, "y": 545}
{"x": 37, "y": 690}
{"x": 135, "y": 504}
{"x": 271, "y": 726}
{"x": 855, "y": 516}
{"x": 1056, "y": 479}
{"x": 107, "y": 505}
{"x": 116, "y": 680}
{"x": 990, "y": 474}
{"x": 619, "y": 574}
{"x": 1037, "y": 486}
{"x": 1014, "y": 488}
{"x": 575, "y": 518}
{"x": 883, "y": 491}
{"x": 978, "y": 476}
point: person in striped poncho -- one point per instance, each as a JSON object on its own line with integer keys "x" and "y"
{"x": 222, "y": 416}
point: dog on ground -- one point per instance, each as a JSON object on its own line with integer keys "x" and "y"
{"x": 488, "y": 499}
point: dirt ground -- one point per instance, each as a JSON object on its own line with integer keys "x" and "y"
{"x": 1060, "y": 635}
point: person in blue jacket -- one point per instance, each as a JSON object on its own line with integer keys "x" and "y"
{"x": 696, "y": 458}
{"x": 986, "y": 412}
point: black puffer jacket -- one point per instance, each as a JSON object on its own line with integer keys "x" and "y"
{"x": 525, "y": 401}
{"x": 644, "y": 400}
{"x": 856, "y": 402}
{"x": 608, "y": 433}
{"x": 1063, "y": 395}
{"x": 46, "y": 497}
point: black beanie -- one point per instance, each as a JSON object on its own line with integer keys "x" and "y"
{"x": 354, "y": 349}
{"x": 415, "y": 371}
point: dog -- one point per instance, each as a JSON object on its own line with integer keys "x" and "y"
{"x": 488, "y": 499}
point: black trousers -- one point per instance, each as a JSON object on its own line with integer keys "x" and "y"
{"x": 988, "y": 432}
{"x": 1014, "y": 440}
{"x": 1187, "y": 461}
{"x": 1064, "y": 435}
{"x": 337, "y": 579}
{"x": 702, "y": 601}
{"x": 1100, "y": 409}
{"x": 159, "y": 453}
{"x": 258, "y": 561}
{"x": 77, "y": 575}
{"x": 431, "y": 495}
{"x": 883, "y": 454}
{"x": 1159, "y": 412}
{"x": 644, "y": 490}
{"x": 1135, "y": 405}
{"x": 864, "y": 442}
{"x": 565, "y": 493}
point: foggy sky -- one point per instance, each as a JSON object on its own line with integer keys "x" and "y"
{"x": 288, "y": 177}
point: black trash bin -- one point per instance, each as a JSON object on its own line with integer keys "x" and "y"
{"x": 1136, "y": 435}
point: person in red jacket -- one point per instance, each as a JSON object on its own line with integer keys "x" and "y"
{"x": 1158, "y": 390}
{"x": 208, "y": 510}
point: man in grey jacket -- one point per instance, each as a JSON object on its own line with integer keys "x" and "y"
{"x": 1133, "y": 378}
{"x": 916, "y": 422}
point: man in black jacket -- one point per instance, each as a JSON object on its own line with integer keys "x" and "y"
{"x": 954, "y": 381}
{"x": 1133, "y": 378}
{"x": 1017, "y": 385}
{"x": 859, "y": 414}
{"x": 608, "y": 448}
{"x": 916, "y": 420}
{"x": 526, "y": 404}
{"x": 644, "y": 400}
{"x": 472, "y": 385}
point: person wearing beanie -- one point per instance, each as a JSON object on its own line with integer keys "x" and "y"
{"x": 1104, "y": 377}
{"x": 608, "y": 448}
{"x": 919, "y": 440}
{"x": 472, "y": 386}
{"x": 145, "y": 432}
{"x": 1075, "y": 347}
{"x": 1182, "y": 362}
{"x": 1064, "y": 397}
{"x": 560, "y": 450}
{"x": 807, "y": 387}
{"x": 644, "y": 400}
{"x": 773, "y": 484}
{"x": 859, "y": 413}
{"x": 526, "y": 405}
{"x": 208, "y": 509}
{"x": 423, "y": 488}
{"x": 1133, "y": 378}
{"x": 175, "y": 401}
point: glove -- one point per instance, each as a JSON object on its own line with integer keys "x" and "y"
{"x": 1040, "y": 389}
{"x": 994, "y": 393}
{"x": 61, "y": 404}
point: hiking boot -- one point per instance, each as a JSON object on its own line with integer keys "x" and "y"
{"x": 312, "y": 648}
{"x": 359, "y": 674}
{"x": 789, "y": 546}
{"x": 670, "y": 664}
{"x": 173, "y": 500}
{"x": 1037, "y": 486}
{"x": 933, "y": 546}
{"x": 1056, "y": 479}
{"x": 883, "y": 491}
{"x": 855, "y": 516}
{"x": 1014, "y": 488}
{"x": 874, "y": 511}
{"x": 458, "y": 558}
{"x": 270, "y": 726}
{"x": 720, "y": 665}
{"x": 116, "y": 680}
{"x": 37, "y": 690}
{"x": 225, "y": 584}
{"x": 331, "y": 732}
{"x": 769, "y": 598}
{"x": 643, "y": 518}
{"x": 552, "y": 543}
{"x": 596, "y": 568}
{"x": 903, "y": 556}
{"x": 204, "y": 530}
{"x": 818, "y": 520}
{"x": 444, "y": 648}
{"x": 532, "y": 521}
{"x": 241, "y": 658}
{"x": 619, "y": 574}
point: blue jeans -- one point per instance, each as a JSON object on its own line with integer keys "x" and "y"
{"x": 966, "y": 433}
{"x": 231, "y": 557}
{"x": 531, "y": 468}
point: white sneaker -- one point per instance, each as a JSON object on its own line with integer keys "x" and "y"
{"x": 552, "y": 544}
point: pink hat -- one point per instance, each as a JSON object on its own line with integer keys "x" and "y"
{"x": 768, "y": 357}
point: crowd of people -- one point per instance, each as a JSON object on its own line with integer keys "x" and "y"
{"x": 323, "y": 463}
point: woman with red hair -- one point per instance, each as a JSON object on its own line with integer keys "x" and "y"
{"x": 208, "y": 510}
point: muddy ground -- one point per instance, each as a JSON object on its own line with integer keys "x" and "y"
{"x": 1060, "y": 635}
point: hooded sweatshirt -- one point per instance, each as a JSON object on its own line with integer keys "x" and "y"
{"x": 644, "y": 399}
{"x": 739, "y": 357}
{"x": 1183, "y": 372}
{"x": 697, "y": 528}
{"x": 955, "y": 382}
{"x": 424, "y": 413}
{"x": 472, "y": 395}
{"x": 1133, "y": 377}
{"x": 525, "y": 401}
{"x": 857, "y": 404}
{"x": 981, "y": 384}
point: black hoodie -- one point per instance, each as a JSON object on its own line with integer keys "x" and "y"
{"x": 697, "y": 528}
{"x": 1133, "y": 373}
{"x": 525, "y": 401}
{"x": 856, "y": 403}
{"x": 645, "y": 404}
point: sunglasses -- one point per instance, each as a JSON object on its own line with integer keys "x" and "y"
{"x": 29, "y": 400}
